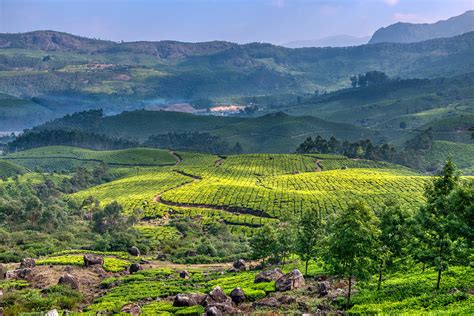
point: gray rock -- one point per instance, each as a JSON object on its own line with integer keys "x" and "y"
{"x": 290, "y": 281}
{"x": 135, "y": 267}
{"x": 134, "y": 251}
{"x": 27, "y": 263}
{"x": 268, "y": 276}
{"x": 53, "y": 312}
{"x": 217, "y": 296}
{"x": 90, "y": 260}
{"x": 240, "y": 265}
{"x": 18, "y": 274}
{"x": 213, "y": 311}
{"x": 184, "y": 300}
{"x": 70, "y": 280}
{"x": 323, "y": 288}
{"x": 184, "y": 274}
{"x": 132, "y": 309}
{"x": 237, "y": 295}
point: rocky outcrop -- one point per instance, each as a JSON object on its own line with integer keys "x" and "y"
{"x": 22, "y": 274}
{"x": 132, "y": 309}
{"x": 134, "y": 267}
{"x": 217, "y": 303}
{"x": 90, "y": 260}
{"x": 323, "y": 288}
{"x": 237, "y": 295}
{"x": 290, "y": 281}
{"x": 184, "y": 274}
{"x": 268, "y": 276}
{"x": 239, "y": 265}
{"x": 70, "y": 280}
{"x": 134, "y": 251}
{"x": 184, "y": 300}
{"x": 27, "y": 263}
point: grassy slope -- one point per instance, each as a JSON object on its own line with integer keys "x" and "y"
{"x": 8, "y": 169}
{"x": 17, "y": 113}
{"x": 462, "y": 155}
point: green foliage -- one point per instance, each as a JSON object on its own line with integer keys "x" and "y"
{"x": 309, "y": 235}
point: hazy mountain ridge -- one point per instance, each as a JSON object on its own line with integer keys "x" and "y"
{"x": 329, "y": 41}
{"x": 411, "y": 32}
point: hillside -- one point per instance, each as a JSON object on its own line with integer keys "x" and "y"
{"x": 17, "y": 113}
{"x": 329, "y": 41}
{"x": 410, "y": 32}
{"x": 277, "y": 132}
{"x": 66, "y": 73}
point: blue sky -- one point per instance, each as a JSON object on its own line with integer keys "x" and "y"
{"x": 242, "y": 21}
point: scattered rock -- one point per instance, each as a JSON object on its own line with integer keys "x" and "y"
{"x": 217, "y": 296}
{"x": 132, "y": 309}
{"x": 268, "y": 276}
{"x": 134, "y": 251}
{"x": 323, "y": 288}
{"x": 290, "y": 281}
{"x": 237, "y": 295}
{"x": 135, "y": 267}
{"x": 240, "y": 264}
{"x": 184, "y": 274}
{"x": 184, "y": 300}
{"x": 90, "y": 260}
{"x": 27, "y": 263}
{"x": 267, "y": 302}
{"x": 70, "y": 280}
{"x": 18, "y": 274}
{"x": 286, "y": 300}
{"x": 213, "y": 311}
{"x": 53, "y": 312}
{"x": 221, "y": 309}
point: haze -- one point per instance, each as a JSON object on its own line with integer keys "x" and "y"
{"x": 241, "y": 21}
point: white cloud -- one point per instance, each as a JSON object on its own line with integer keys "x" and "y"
{"x": 391, "y": 2}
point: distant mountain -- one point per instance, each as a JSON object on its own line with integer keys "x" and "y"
{"x": 329, "y": 41}
{"x": 410, "y": 32}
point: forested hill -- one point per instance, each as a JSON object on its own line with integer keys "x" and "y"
{"x": 411, "y": 32}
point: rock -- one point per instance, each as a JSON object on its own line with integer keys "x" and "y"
{"x": 286, "y": 300}
{"x": 237, "y": 295}
{"x": 53, "y": 312}
{"x": 290, "y": 281}
{"x": 90, "y": 260}
{"x": 453, "y": 291}
{"x": 217, "y": 296}
{"x": 134, "y": 251}
{"x": 323, "y": 288}
{"x": 184, "y": 300}
{"x": 267, "y": 302}
{"x": 27, "y": 263}
{"x": 268, "y": 276}
{"x": 213, "y": 311}
{"x": 132, "y": 309}
{"x": 18, "y": 274}
{"x": 184, "y": 274}
{"x": 240, "y": 264}
{"x": 135, "y": 267}
{"x": 70, "y": 280}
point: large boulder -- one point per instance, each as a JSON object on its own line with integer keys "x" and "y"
{"x": 27, "y": 263}
{"x": 184, "y": 274}
{"x": 268, "y": 276}
{"x": 237, "y": 295}
{"x": 323, "y": 288}
{"x": 217, "y": 296}
{"x": 270, "y": 302}
{"x": 134, "y": 267}
{"x": 185, "y": 300}
{"x": 91, "y": 260}
{"x": 131, "y": 309}
{"x": 239, "y": 265}
{"x": 290, "y": 281}
{"x": 134, "y": 251}
{"x": 19, "y": 274}
{"x": 70, "y": 280}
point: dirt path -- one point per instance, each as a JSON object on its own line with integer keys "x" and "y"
{"x": 176, "y": 156}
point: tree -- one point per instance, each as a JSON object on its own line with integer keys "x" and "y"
{"x": 308, "y": 237}
{"x": 394, "y": 227}
{"x": 437, "y": 221}
{"x": 353, "y": 81}
{"x": 353, "y": 244}
{"x": 403, "y": 125}
{"x": 264, "y": 242}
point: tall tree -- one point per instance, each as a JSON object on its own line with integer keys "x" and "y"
{"x": 353, "y": 244}
{"x": 308, "y": 237}
{"x": 395, "y": 224}
{"x": 264, "y": 242}
{"x": 436, "y": 220}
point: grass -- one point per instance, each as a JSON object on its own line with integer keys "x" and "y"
{"x": 8, "y": 169}
{"x": 111, "y": 264}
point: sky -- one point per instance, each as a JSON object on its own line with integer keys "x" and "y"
{"x": 241, "y": 21}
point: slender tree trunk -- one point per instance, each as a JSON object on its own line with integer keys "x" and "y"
{"x": 380, "y": 275}
{"x": 306, "y": 268}
{"x": 349, "y": 292}
{"x": 439, "y": 279}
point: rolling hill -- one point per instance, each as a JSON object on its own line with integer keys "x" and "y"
{"x": 410, "y": 32}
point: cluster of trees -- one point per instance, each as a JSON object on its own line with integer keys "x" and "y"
{"x": 360, "y": 149}
{"x": 75, "y": 138}
{"x": 359, "y": 242}
{"x": 193, "y": 141}
{"x": 370, "y": 78}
